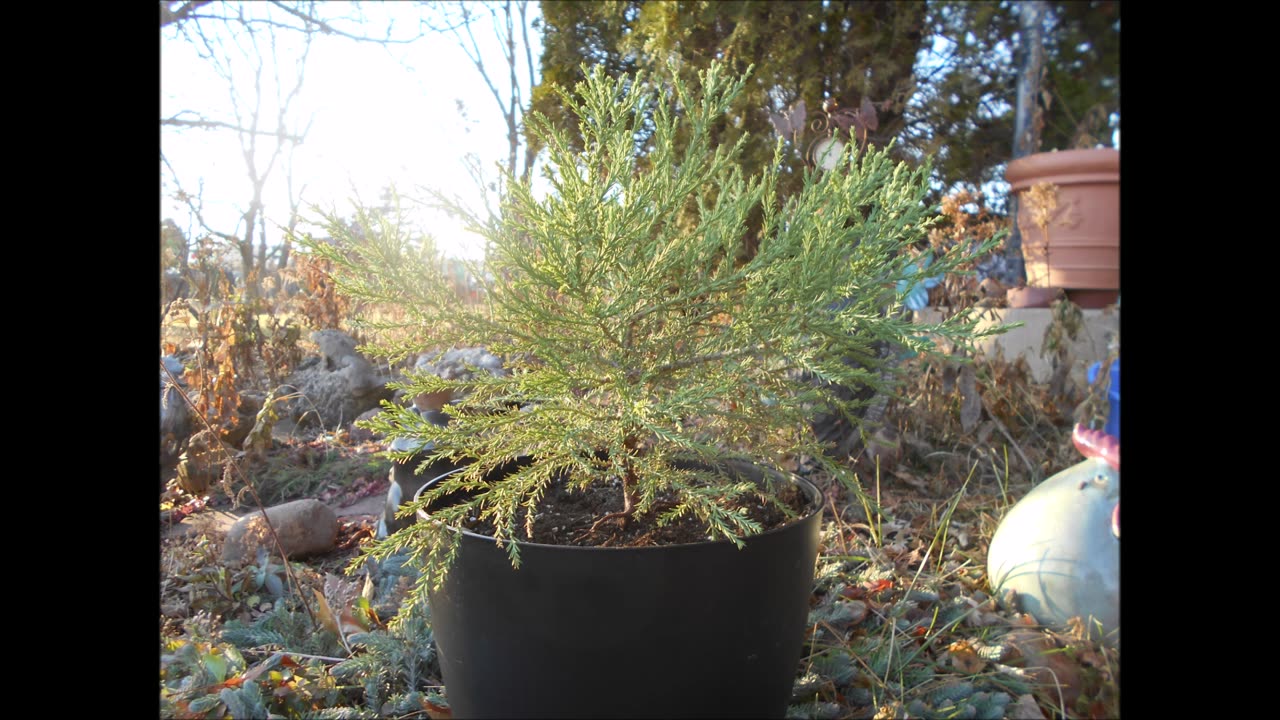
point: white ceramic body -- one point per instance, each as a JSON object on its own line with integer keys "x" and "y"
{"x": 1056, "y": 548}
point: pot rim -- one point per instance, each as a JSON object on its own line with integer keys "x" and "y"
{"x": 809, "y": 489}
{"x": 1090, "y": 164}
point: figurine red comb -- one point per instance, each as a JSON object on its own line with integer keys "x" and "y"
{"x": 1097, "y": 444}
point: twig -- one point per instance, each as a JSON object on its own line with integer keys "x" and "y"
{"x": 293, "y": 654}
{"x": 220, "y": 125}
{"x": 1005, "y": 432}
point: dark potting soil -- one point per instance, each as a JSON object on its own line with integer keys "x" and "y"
{"x": 566, "y": 516}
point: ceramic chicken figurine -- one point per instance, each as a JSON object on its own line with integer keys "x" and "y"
{"x": 456, "y": 364}
{"x": 1059, "y": 547}
{"x": 405, "y": 480}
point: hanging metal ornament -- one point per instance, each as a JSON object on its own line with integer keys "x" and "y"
{"x": 833, "y": 129}
{"x": 825, "y": 152}
{"x": 837, "y": 127}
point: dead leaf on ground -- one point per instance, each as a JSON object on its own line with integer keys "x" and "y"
{"x": 324, "y": 614}
{"x": 912, "y": 479}
{"x": 1049, "y": 664}
{"x": 965, "y": 658}
{"x": 435, "y": 711}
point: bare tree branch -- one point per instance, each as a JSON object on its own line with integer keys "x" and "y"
{"x": 295, "y": 202}
{"x": 528, "y": 58}
{"x": 169, "y": 17}
{"x": 329, "y": 29}
{"x": 512, "y": 106}
{"x": 248, "y": 58}
{"x": 206, "y": 124}
{"x": 194, "y": 203}
{"x": 311, "y": 22}
{"x": 474, "y": 55}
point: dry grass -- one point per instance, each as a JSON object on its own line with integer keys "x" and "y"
{"x": 902, "y": 624}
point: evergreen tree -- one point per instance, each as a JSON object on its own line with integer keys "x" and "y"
{"x": 942, "y": 73}
{"x": 809, "y": 51}
{"x": 635, "y": 341}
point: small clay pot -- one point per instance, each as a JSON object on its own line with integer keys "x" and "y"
{"x": 1031, "y": 297}
{"x": 1093, "y": 299}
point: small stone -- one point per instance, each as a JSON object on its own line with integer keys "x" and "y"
{"x": 858, "y": 610}
{"x": 883, "y": 450}
{"x": 357, "y": 435}
{"x": 1026, "y": 708}
{"x": 305, "y": 527}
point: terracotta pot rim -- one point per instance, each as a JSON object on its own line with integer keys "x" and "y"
{"x": 1065, "y": 166}
{"x": 1031, "y": 297}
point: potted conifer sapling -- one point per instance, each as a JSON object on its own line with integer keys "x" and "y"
{"x": 619, "y": 537}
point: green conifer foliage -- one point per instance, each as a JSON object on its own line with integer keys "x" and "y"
{"x": 635, "y": 333}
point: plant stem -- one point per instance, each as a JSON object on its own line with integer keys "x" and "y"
{"x": 629, "y": 484}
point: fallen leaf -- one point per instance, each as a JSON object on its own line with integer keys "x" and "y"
{"x": 965, "y": 658}
{"x": 436, "y": 711}
{"x": 351, "y": 623}
{"x": 853, "y": 593}
{"x": 912, "y": 479}
{"x": 857, "y": 610}
{"x": 325, "y": 613}
{"x": 1047, "y": 663}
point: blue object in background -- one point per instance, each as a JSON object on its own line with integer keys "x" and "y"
{"x": 916, "y": 292}
{"x": 1113, "y": 396}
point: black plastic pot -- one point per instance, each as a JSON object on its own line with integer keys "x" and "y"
{"x": 699, "y": 630}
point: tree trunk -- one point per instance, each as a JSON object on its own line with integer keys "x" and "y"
{"x": 246, "y": 252}
{"x": 1028, "y": 119}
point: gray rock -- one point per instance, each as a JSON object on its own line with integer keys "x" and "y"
{"x": 339, "y": 352}
{"x": 460, "y": 363}
{"x": 330, "y": 399}
{"x": 334, "y": 346}
{"x": 175, "y": 368}
{"x": 175, "y": 415}
{"x": 339, "y": 389}
{"x": 358, "y": 434}
{"x": 305, "y": 527}
{"x": 176, "y": 423}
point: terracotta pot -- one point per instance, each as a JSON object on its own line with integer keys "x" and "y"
{"x": 1070, "y": 229}
{"x": 1093, "y": 299}
{"x": 1038, "y": 297}
{"x": 1031, "y": 297}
